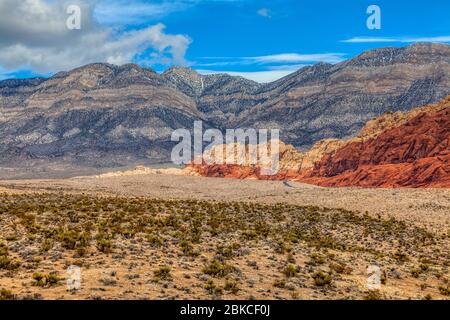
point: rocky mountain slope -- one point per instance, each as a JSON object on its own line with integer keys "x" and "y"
{"x": 414, "y": 154}
{"x": 102, "y": 115}
{"x": 409, "y": 149}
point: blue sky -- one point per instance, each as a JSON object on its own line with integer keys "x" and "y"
{"x": 259, "y": 39}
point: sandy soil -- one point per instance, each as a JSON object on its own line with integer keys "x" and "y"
{"x": 429, "y": 207}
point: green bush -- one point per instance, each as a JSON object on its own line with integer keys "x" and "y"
{"x": 104, "y": 245}
{"x": 322, "y": 278}
{"x": 188, "y": 249}
{"x": 163, "y": 273}
{"x": 45, "y": 280}
{"x": 290, "y": 271}
{"x": 216, "y": 268}
{"x": 6, "y": 294}
{"x": 280, "y": 283}
{"x": 231, "y": 286}
{"x": 211, "y": 287}
{"x": 154, "y": 240}
{"x": 444, "y": 290}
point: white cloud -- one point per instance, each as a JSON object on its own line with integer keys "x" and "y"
{"x": 264, "y": 12}
{"x": 258, "y": 76}
{"x": 399, "y": 39}
{"x": 33, "y": 35}
{"x": 124, "y": 12}
{"x": 295, "y": 58}
{"x": 133, "y": 12}
{"x": 275, "y": 59}
{"x": 276, "y": 66}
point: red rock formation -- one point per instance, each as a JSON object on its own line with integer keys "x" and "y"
{"x": 394, "y": 150}
{"x": 415, "y": 154}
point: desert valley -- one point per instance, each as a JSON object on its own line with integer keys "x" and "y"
{"x": 363, "y": 183}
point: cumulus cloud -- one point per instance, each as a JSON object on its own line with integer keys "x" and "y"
{"x": 33, "y": 35}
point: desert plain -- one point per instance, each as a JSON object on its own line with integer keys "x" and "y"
{"x": 164, "y": 236}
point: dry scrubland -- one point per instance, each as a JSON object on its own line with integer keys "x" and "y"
{"x": 167, "y": 237}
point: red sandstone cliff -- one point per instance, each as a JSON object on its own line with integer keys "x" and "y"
{"x": 395, "y": 150}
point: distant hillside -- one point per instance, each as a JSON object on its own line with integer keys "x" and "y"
{"x": 102, "y": 115}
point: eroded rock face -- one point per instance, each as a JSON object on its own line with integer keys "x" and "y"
{"x": 102, "y": 115}
{"x": 414, "y": 154}
{"x": 409, "y": 149}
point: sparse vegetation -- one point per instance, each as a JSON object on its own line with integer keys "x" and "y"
{"x": 163, "y": 273}
{"x": 45, "y": 280}
{"x": 216, "y": 268}
{"x": 322, "y": 279}
{"x": 219, "y": 247}
{"x": 6, "y": 294}
{"x": 212, "y": 288}
{"x": 373, "y": 295}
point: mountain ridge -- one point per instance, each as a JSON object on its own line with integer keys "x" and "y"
{"x": 102, "y": 115}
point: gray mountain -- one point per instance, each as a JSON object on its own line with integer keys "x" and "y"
{"x": 102, "y": 115}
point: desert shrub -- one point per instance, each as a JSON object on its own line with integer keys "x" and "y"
{"x": 6, "y": 262}
{"x": 248, "y": 235}
{"x": 196, "y": 230}
{"x": 400, "y": 256}
{"x": 104, "y": 245}
{"x": 340, "y": 267}
{"x": 71, "y": 239}
{"x": 45, "y": 280}
{"x": 211, "y": 287}
{"x": 188, "y": 249}
{"x": 279, "y": 283}
{"x": 416, "y": 272}
{"x": 6, "y": 294}
{"x": 163, "y": 273}
{"x": 444, "y": 290}
{"x": 373, "y": 295}
{"x": 216, "y": 268}
{"x": 262, "y": 228}
{"x": 227, "y": 251}
{"x": 282, "y": 246}
{"x": 316, "y": 259}
{"x": 290, "y": 271}
{"x": 154, "y": 240}
{"x": 46, "y": 245}
{"x": 231, "y": 286}
{"x": 127, "y": 233}
{"x": 3, "y": 249}
{"x": 322, "y": 278}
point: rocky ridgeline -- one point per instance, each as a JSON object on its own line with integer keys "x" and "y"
{"x": 102, "y": 115}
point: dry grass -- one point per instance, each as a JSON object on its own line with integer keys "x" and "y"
{"x": 139, "y": 247}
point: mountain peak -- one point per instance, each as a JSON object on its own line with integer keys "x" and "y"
{"x": 180, "y": 71}
{"x": 418, "y": 53}
{"x": 185, "y": 79}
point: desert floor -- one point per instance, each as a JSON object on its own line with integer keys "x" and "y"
{"x": 159, "y": 236}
